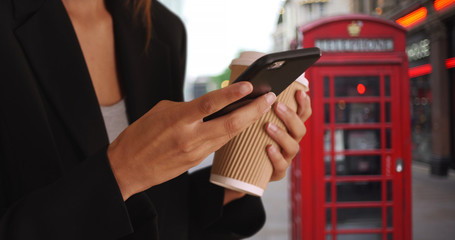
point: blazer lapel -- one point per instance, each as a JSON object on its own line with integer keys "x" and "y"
{"x": 145, "y": 75}
{"x": 50, "y": 43}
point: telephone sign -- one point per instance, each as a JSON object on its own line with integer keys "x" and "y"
{"x": 355, "y": 45}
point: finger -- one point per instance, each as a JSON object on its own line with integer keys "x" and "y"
{"x": 289, "y": 146}
{"x": 212, "y": 146}
{"x": 279, "y": 163}
{"x": 293, "y": 122}
{"x": 218, "y": 99}
{"x": 231, "y": 124}
{"x": 217, "y": 143}
{"x": 304, "y": 105}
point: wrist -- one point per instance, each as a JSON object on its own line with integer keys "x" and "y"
{"x": 231, "y": 195}
{"x": 121, "y": 176}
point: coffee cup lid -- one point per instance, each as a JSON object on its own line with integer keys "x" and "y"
{"x": 303, "y": 80}
{"x": 247, "y": 58}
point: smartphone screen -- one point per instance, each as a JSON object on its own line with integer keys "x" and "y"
{"x": 272, "y": 73}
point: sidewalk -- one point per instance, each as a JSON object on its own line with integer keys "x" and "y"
{"x": 433, "y": 205}
{"x": 277, "y": 204}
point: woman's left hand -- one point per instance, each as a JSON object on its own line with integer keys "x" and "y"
{"x": 288, "y": 139}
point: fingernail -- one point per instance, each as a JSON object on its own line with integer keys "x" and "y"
{"x": 303, "y": 94}
{"x": 245, "y": 88}
{"x": 272, "y": 127}
{"x": 273, "y": 149}
{"x": 270, "y": 98}
{"x": 281, "y": 107}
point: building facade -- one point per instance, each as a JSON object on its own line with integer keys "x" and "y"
{"x": 295, "y": 13}
{"x": 430, "y": 50}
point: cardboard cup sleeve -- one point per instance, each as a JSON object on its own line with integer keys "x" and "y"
{"x": 243, "y": 164}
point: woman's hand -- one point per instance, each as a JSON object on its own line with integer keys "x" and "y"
{"x": 172, "y": 137}
{"x": 288, "y": 141}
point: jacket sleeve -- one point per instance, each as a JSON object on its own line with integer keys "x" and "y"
{"x": 84, "y": 204}
{"x": 209, "y": 219}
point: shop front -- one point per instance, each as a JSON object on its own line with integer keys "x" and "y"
{"x": 418, "y": 49}
{"x": 430, "y": 47}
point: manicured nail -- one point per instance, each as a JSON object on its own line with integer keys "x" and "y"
{"x": 272, "y": 149}
{"x": 245, "y": 88}
{"x": 281, "y": 107}
{"x": 303, "y": 94}
{"x": 272, "y": 127}
{"x": 270, "y": 98}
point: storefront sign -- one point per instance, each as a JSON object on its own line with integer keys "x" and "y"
{"x": 418, "y": 50}
{"x": 355, "y": 45}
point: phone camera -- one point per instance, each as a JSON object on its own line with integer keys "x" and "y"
{"x": 276, "y": 65}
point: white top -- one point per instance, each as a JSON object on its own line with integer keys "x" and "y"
{"x": 115, "y": 119}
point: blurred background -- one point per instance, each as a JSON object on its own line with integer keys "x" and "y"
{"x": 219, "y": 30}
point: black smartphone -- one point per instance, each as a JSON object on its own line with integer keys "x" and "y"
{"x": 272, "y": 73}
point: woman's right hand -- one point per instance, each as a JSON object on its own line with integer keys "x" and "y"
{"x": 172, "y": 137}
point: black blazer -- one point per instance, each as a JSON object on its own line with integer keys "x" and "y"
{"x": 55, "y": 178}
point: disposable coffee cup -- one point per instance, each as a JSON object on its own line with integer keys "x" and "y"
{"x": 243, "y": 164}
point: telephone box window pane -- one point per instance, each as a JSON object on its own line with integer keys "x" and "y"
{"x": 340, "y": 164}
{"x": 387, "y": 85}
{"x": 389, "y": 236}
{"x": 359, "y": 218}
{"x": 389, "y": 191}
{"x": 388, "y": 138}
{"x": 358, "y": 191}
{"x": 366, "y": 86}
{"x": 389, "y": 217}
{"x": 328, "y": 192}
{"x": 376, "y": 236}
{"x": 387, "y": 112}
{"x": 368, "y": 139}
{"x": 328, "y": 237}
{"x": 327, "y": 141}
{"x": 327, "y": 113}
{"x": 357, "y": 112}
{"x": 328, "y": 165}
{"x": 326, "y": 87}
{"x": 358, "y": 165}
{"x": 328, "y": 219}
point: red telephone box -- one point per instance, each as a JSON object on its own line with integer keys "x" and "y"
{"x": 352, "y": 178}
